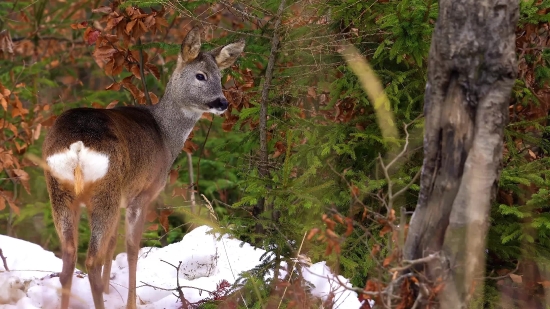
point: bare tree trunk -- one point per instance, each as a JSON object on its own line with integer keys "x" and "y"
{"x": 471, "y": 71}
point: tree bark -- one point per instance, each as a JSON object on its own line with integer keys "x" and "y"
{"x": 471, "y": 71}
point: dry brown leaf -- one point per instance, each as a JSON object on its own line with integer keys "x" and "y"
{"x": 23, "y": 177}
{"x": 114, "y": 86}
{"x": 135, "y": 70}
{"x": 2, "y": 202}
{"x": 163, "y": 219}
{"x": 173, "y": 176}
{"x": 112, "y": 104}
{"x": 386, "y": 229}
{"x": 154, "y": 98}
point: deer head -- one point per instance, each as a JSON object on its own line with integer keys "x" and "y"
{"x": 195, "y": 84}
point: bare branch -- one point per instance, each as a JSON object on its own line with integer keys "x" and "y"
{"x": 4, "y": 261}
{"x": 410, "y": 263}
{"x": 142, "y": 73}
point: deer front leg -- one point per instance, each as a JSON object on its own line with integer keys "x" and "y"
{"x": 103, "y": 214}
{"x": 66, "y": 216}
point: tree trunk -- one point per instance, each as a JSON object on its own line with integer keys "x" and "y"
{"x": 263, "y": 168}
{"x": 471, "y": 71}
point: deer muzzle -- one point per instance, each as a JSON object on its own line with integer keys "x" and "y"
{"x": 220, "y": 104}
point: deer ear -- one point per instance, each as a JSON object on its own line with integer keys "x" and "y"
{"x": 226, "y": 55}
{"x": 190, "y": 47}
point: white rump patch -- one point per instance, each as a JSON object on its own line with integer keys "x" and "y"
{"x": 94, "y": 165}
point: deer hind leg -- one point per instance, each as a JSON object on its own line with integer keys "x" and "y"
{"x": 66, "y": 215}
{"x": 109, "y": 261}
{"x": 103, "y": 214}
{"x": 135, "y": 219}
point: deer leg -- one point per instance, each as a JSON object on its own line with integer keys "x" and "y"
{"x": 66, "y": 216}
{"x": 103, "y": 214}
{"x": 135, "y": 219}
{"x": 109, "y": 261}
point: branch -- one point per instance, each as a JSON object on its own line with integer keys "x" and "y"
{"x": 4, "y": 261}
{"x": 142, "y": 73}
{"x": 184, "y": 301}
{"x": 191, "y": 181}
{"x": 410, "y": 263}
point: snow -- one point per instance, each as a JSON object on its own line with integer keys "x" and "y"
{"x": 206, "y": 260}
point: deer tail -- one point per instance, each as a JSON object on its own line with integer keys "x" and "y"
{"x": 78, "y": 180}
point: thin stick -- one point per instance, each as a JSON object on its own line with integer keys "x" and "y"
{"x": 142, "y": 73}
{"x": 200, "y": 157}
{"x": 293, "y": 268}
{"x": 4, "y": 261}
{"x": 191, "y": 182}
{"x": 410, "y": 263}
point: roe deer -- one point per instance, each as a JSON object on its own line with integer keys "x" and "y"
{"x": 120, "y": 157}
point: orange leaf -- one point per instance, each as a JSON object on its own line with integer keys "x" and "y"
{"x": 154, "y": 98}
{"x": 9, "y": 198}
{"x": 386, "y": 229}
{"x": 163, "y": 219}
{"x": 18, "y": 109}
{"x": 114, "y": 86}
{"x": 135, "y": 70}
{"x": 153, "y": 69}
{"x": 23, "y": 177}
{"x": 2, "y": 203}
{"x": 112, "y": 104}
{"x": 81, "y": 25}
{"x": 387, "y": 261}
{"x": 112, "y": 22}
{"x": 153, "y": 227}
{"x": 349, "y": 228}
{"x": 312, "y": 233}
{"x": 130, "y": 26}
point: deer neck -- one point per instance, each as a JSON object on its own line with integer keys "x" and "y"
{"x": 175, "y": 123}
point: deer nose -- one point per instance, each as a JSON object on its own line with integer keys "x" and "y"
{"x": 220, "y": 104}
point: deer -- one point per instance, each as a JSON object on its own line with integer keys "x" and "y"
{"x": 107, "y": 159}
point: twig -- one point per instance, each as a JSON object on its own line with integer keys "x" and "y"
{"x": 293, "y": 268}
{"x": 410, "y": 263}
{"x": 493, "y": 278}
{"x": 184, "y": 302}
{"x": 4, "y": 261}
{"x": 142, "y": 73}
{"x": 191, "y": 182}
{"x": 200, "y": 157}
{"x": 408, "y": 185}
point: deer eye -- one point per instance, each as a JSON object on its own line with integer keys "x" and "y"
{"x": 200, "y": 76}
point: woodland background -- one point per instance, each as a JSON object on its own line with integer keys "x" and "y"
{"x": 315, "y": 177}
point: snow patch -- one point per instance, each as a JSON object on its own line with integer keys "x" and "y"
{"x": 205, "y": 262}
